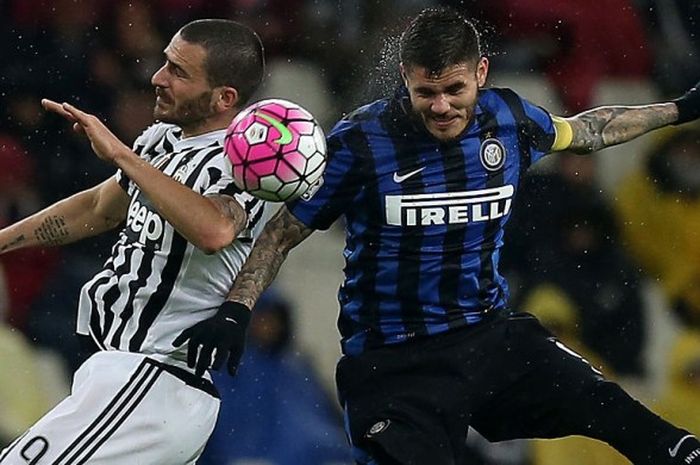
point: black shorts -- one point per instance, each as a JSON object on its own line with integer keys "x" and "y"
{"x": 507, "y": 377}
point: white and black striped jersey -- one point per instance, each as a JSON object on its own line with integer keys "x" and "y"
{"x": 156, "y": 284}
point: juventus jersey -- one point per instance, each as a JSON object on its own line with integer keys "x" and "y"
{"x": 156, "y": 284}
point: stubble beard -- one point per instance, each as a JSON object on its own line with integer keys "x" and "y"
{"x": 189, "y": 115}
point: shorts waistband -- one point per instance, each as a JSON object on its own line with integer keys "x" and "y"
{"x": 188, "y": 378}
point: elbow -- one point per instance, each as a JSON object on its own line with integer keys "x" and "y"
{"x": 214, "y": 240}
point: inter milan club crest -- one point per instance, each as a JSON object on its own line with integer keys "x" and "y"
{"x": 493, "y": 154}
{"x": 378, "y": 427}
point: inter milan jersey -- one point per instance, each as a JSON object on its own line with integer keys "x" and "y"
{"x": 424, "y": 218}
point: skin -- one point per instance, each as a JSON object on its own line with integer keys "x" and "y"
{"x": 445, "y": 103}
{"x": 183, "y": 97}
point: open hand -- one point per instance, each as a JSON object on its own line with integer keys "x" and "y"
{"x": 104, "y": 143}
{"x": 222, "y": 337}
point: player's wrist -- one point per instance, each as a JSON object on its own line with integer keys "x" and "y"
{"x": 688, "y": 105}
{"x": 236, "y": 311}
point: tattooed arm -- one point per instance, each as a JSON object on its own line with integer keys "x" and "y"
{"x": 281, "y": 234}
{"x": 611, "y": 125}
{"x": 85, "y": 214}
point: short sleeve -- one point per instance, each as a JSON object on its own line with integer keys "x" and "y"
{"x": 539, "y": 130}
{"x": 219, "y": 181}
{"x": 340, "y": 183}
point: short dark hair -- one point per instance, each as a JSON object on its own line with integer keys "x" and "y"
{"x": 438, "y": 38}
{"x": 235, "y": 55}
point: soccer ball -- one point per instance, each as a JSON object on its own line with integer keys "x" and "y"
{"x": 277, "y": 149}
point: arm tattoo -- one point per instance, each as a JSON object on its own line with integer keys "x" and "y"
{"x": 52, "y": 231}
{"x": 10, "y": 245}
{"x": 230, "y": 208}
{"x": 605, "y": 126}
{"x": 281, "y": 234}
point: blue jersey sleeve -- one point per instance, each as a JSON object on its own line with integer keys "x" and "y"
{"x": 539, "y": 129}
{"x": 341, "y": 183}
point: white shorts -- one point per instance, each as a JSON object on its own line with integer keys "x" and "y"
{"x": 124, "y": 408}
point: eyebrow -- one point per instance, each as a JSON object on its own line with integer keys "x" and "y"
{"x": 177, "y": 66}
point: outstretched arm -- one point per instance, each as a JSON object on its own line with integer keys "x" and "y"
{"x": 85, "y": 214}
{"x": 222, "y": 336}
{"x": 210, "y": 223}
{"x": 611, "y": 125}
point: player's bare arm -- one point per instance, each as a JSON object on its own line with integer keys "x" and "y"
{"x": 281, "y": 234}
{"x": 82, "y": 215}
{"x": 207, "y": 223}
{"x": 611, "y": 125}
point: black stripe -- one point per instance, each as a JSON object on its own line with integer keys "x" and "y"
{"x": 169, "y": 273}
{"x": 110, "y": 297}
{"x": 257, "y": 216}
{"x": 141, "y": 369}
{"x": 454, "y": 169}
{"x": 95, "y": 325}
{"x": 487, "y": 274}
{"x": 515, "y": 105}
{"x": 12, "y": 446}
{"x": 356, "y": 142}
{"x": 120, "y": 421}
{"x": 407, "y": 157}
{"x": 143, "y": 273}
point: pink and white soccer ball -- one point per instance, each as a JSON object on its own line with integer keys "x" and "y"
{"x": 277, "y": 149}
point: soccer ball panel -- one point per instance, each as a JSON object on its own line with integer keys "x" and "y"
{"x": 256, "y": 133}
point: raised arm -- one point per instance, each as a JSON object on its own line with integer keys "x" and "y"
{"x": 223, "y": 335}
{"x": 210, "y": 223}
{"x": 85, "y": 214}
{"x": 605, "y": 126}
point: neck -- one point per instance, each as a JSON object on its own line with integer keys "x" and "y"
{"x": 210, "y": 124}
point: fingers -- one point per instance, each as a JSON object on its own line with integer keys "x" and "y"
{"x": 55, "y": 107}
{"x": 219, "y": 359}
{"x": 234, "y": 359}
{"x": 182, "y": 338}
{"x": 78, "y": 115}
{"x": 204, "y": 359}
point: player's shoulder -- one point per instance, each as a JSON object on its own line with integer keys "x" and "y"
{"x": 498, "y": 97}
{"x": 156, "y": 132}
{"x": 359, "y": 118}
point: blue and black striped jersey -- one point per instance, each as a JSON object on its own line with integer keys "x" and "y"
{"x": 424, "y": 218}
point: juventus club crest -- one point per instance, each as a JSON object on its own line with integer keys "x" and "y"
{"x": 492, "y": 154}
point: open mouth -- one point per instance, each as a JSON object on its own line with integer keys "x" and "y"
{"x": 443, "y": 122}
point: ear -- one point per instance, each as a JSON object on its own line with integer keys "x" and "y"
{"x": 404, "y": 75}
{"x": 227, "y": 98}
{"x": 482, "y": 71}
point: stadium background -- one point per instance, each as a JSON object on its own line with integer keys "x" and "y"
{"x": 639, "y": 301}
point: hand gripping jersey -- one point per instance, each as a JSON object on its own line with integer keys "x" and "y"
{"x": 156, "y": 284}
{"x": 424, "y": 218}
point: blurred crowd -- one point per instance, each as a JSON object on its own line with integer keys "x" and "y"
{"x": 580, "y": 257}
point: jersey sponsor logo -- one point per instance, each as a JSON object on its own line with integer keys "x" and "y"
{"x": 399, "y": 178}
{"x": 146, "y": 224}
{"x": 449, "y": 207}
{"x": 492, "y": 154}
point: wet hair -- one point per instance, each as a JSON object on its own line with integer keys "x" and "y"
{"x": 438, "y": 38}
{"x": 235, "y": 55}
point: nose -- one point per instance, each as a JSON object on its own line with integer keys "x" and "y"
{"x": 158, "y": 79}
{"x": 440, "y": 105}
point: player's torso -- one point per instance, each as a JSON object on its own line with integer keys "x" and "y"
{"x": 155, "y": 284}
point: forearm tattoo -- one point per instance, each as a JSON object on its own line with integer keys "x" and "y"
{"x": 230, "y": 208}
{"x": 12, "y": 244}
{"x": 281, "y": 234}
{"x": 606, "y": 126}
{"x": 52, "y": 231}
